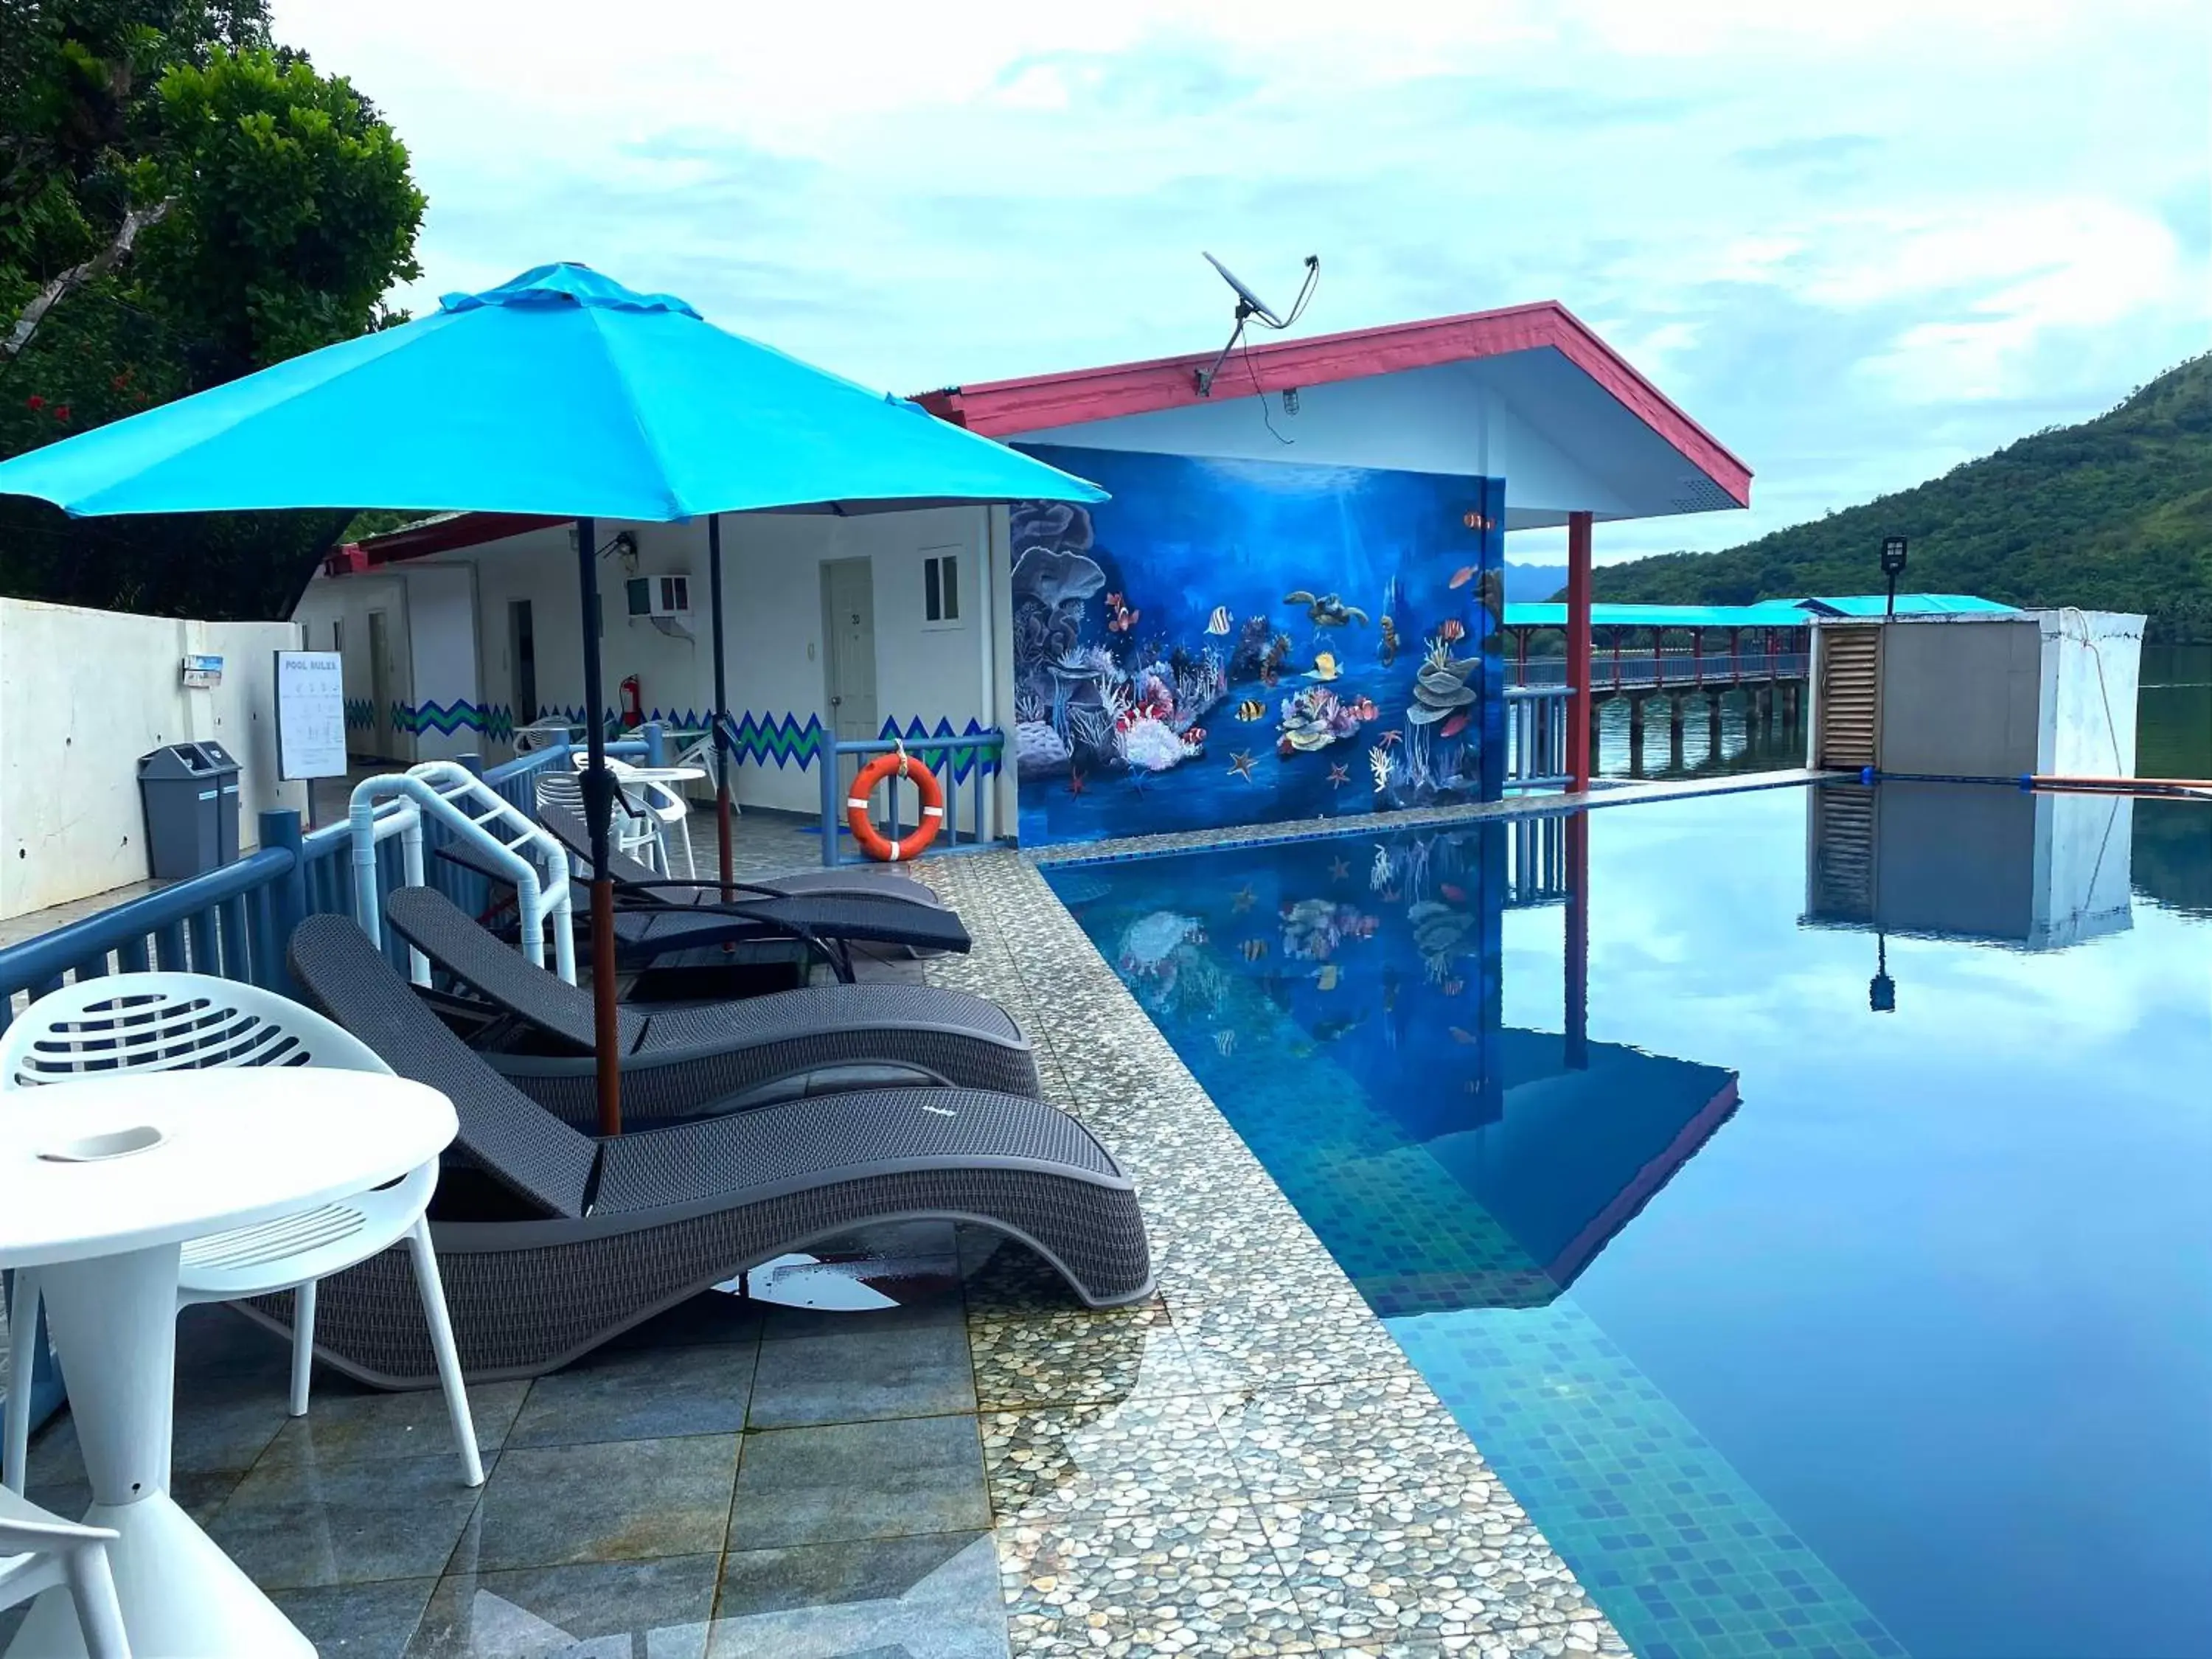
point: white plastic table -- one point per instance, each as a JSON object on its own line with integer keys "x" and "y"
{"x": 238, "y": 1146}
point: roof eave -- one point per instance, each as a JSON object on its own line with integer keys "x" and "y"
{"x": 1002, "y": 409}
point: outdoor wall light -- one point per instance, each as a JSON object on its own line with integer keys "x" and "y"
{"x": 1893, "y": 567}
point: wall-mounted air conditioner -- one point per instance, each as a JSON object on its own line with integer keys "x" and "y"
{"x": 664, "y": 601}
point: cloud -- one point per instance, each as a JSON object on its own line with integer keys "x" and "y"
{"x": 1857, "y": 243}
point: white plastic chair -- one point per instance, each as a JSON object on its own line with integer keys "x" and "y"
{"x": 39, "y": 1551}
{"x": 666, "y": 808}
{"x": 540, "y": 734}
{"x": 173, "y": 1022}
{"x": 635, "y": 830}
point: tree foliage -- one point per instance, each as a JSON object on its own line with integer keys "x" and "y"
{"x": 2113, "y": 514}
{"x": 273, "y": 210}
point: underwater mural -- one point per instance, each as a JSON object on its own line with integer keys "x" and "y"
{"x": 1228, "y": 643}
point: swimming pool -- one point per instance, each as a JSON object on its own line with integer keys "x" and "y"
{"x": 1838, "y": 1278}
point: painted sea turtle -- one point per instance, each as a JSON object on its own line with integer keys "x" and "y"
{"x": 1327, "y": 610}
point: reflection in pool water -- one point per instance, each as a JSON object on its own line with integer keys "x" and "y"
{"x": 1801, "y": 1196}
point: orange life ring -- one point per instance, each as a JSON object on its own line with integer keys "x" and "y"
{"x": 872, "y": 840}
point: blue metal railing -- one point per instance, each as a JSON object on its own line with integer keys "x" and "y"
{"x": 234, "y": 923}
{"x": 939, "y": 754}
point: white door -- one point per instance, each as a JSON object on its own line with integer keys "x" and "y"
{"x": 848, "y": 631}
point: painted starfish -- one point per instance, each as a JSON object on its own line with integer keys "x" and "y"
{"x": 1339, "y": 870}
{"x": 1240, "y": 766}
{"x": 1244, "y": 899}
{"x": 1338, "y": 775}
{"x": 1388, "y": 739}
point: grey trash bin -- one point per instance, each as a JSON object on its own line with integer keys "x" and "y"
{"x": 191, "y": 795}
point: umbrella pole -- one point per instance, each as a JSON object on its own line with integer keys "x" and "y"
{"x": 599, "y": 810}
{"x": 722, "y": 702}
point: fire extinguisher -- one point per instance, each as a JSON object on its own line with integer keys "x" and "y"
{"x": 632, "y": 706}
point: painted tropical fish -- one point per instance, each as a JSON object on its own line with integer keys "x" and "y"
{"x": 1120, "y": 618}
{"x": 1224, "y": 1043}
{"x": 1252, "y": 948}
{"x": 1220, "y": 621}
{"x": 1324, "y": 667}
{"x": 1455, "y": 725}
{"x": 1325, "y": 976}
{"x": 1449, "y": 630}
{"x": 1462, "y": 577}
{"x": 1461, "y": 1035}
{"x": 1251, "y": 710}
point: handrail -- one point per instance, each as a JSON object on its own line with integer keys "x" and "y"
{"x": 39, "y": 962}
{"x": 992, "y": 742}
{"x": 435, "y": 789}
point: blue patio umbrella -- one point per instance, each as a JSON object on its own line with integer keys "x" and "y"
{"x": 560, "y": 393}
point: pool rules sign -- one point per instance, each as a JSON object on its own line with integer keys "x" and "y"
{"x": 310, "y": 714}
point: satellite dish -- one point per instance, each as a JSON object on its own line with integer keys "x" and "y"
{"x": 1250, "y": 306}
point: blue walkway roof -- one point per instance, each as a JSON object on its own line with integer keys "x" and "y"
{"x": 1767, "y": 613}
{"x": 1908, "y": 605}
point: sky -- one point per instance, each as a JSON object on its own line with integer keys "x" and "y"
{"x": 1859, "y": 240}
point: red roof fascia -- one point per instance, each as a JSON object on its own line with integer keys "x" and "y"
{"x": 1004, "y": 408}
{"x": 419, "y": 541}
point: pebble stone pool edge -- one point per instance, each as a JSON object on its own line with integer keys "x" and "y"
{"x": 1249, "y": 1464}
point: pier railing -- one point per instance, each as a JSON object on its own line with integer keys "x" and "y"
{"x": 1635, "y": 670}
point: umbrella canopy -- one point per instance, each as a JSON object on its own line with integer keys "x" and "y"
{"x": 559, "y": 394}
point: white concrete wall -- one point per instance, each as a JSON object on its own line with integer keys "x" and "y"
{"x": 84, "y": 694}
{"x": 2095, "y": 662}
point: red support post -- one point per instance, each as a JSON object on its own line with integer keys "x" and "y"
{"x": 1578, "y": 651}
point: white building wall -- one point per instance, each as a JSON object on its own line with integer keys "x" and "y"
{"x": 72, "y": 823}
{"x": 347, "y": 603}
{"x": 772, "y": 612}
{"x": 441, "y": 626}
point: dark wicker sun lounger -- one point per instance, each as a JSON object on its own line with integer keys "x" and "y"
{"x": 587, "y": 1237}
{"x": 567, "y": 826}
{"x": 656, "y": 918}
{"x": 683, "y": 1060}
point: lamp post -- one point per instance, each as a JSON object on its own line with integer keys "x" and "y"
{"x": 1893, "y": 567}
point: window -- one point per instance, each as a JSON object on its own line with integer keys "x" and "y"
{"x": 940, "y": 589}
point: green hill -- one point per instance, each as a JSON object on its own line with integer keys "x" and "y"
{"x": 2113, "y": 514}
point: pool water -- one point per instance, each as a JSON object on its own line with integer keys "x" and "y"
{"x": 1822, "y": 1251}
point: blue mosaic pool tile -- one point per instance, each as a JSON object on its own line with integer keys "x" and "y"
{"x": 1680, "y": 1551}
